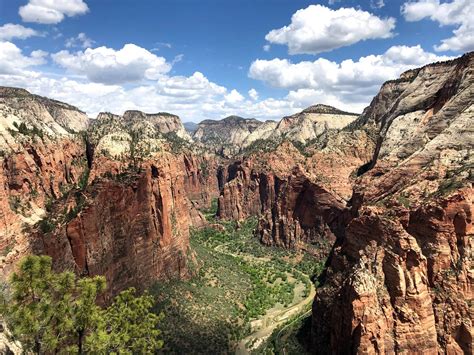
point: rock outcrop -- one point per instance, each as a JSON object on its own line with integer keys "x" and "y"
{"x": 295, "y": 209}
{"x": 312, "y": 122}
{"x": 116, "y": 198}
{"x": 229, "y": 135}
{"x": 41, "y": 157}
{"x": 133, "y": 228}
{"x": 233, "y": 135}
{"x": 400, "y": 279}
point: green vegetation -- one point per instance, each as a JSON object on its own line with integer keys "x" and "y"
{"x": 84, "y": 179}
{"x": 15, "y": 203}
{"x": 204, "y": 169}
{"x": 448, "y": 186}
{"x": 261, "y": 145}
{"x": 404, "y": 201}
{"x": 237, "y": 280}
{"x": 7, "y": 249}
{"x": 290, "y": 338}
{"x": 56, "y": 216}
{"x": 57, "y": 313}
{"x": 24, "y": 130}
{"x": 177, "y": 144}
{"x": 210, "y": 213}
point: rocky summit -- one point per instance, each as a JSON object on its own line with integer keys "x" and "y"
{"x": 374, "y": 211}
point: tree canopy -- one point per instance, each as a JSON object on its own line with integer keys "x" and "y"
{"x": 50, "y": 312}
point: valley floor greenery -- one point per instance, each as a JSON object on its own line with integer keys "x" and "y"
{"x": 237, "y": 280}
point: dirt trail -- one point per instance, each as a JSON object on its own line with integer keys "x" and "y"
{"x": 274, "y": 317}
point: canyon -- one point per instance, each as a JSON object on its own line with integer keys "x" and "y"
{"x": 384, "y": 199}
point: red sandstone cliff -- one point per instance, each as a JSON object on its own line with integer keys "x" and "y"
{"x": 40, "y": 158}
{"x": 132, "y": 228}
{"x": 118, "y": 200}
{"x": 400, "y": 279}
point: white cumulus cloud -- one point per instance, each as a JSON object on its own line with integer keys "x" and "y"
{"x": 253, "y": 94}
{"x": 456, "y": 13}
{"x": 10, "y": 31}
{"x": 51, "y": 11}
{"x": 353, "y": 82}
{"x": 234, "y": 97}
{"x": 109, "y": 66}
{"x": 14, "y": 62}
{"x": 318, "y": 28}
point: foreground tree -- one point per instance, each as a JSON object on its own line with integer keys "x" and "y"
{"x": 131, "y": 327}
{"x": 57, "y": 313}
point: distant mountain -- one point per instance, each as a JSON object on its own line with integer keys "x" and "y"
{"x": 228, "y": 135}
{"x": 190, "y": 127}
{"x": 232, "y": 134}
{"x": 312, "y": 122}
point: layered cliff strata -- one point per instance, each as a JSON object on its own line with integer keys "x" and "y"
{"x": 401, "y": 277}
{"x": 41, "y": 156}
{"x": 233, "y": 135}
{"x": 300, "y": 195}
{"x": 133, "y": 228}
{"x": 116, "y": 198}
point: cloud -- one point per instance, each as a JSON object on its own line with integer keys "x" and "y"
{"x": 253, "y": 94}
{"x": 109, "y": 66}
{"x": 319, "y": 29}
{"x": 178, "y": 58}
{"x": 14, "y": 62}
{"x": 234, "y": 97}
{"x": 266, "y": 47}
{"x": 377, "y": 4}
{"x": 51, "y": 11}
{"x": 456, "y": 13}
{"x": 10, "y": 31}
{"x": 81, "y": 40}
{"x": 194, "y": 97}
{"x": 353, "y": 82}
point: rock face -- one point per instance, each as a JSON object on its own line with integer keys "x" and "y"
{"x": 233, "y": 135}
{"x": 40, "y": 158}
{"x": 312, "y": 122}
{"x": 133, "y": 231}
{"x": 117, "y": 199}
{"x": 400, "y": 279}
{"x": 163, "y": 122}
{"x": 295, "y": 210}
{"x": 229, "y": 135}
{"x": 299, "y": 196}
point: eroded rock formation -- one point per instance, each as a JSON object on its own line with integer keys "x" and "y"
{"x": 116, "y": 199}
{"x": 401, "y": 278}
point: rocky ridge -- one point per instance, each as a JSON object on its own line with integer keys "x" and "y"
{"x": 233, "y": 135}
{"x": 401, "y": 277}
{"x": 64, "y": 192}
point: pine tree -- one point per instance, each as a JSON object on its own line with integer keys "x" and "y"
{"x": 57, "y": 313}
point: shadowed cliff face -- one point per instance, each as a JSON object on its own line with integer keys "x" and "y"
{"x": 294, "y": 212}
{"x": 132, "y": 231}
{"x": 400, "y": 278}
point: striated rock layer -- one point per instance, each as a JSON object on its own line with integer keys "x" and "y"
{"x": 295, "y": 211}
{"x": 133, "y": 229}
{"x": 40, "y": 158}
{"x": 116, "y": 199}
{"x": 400, "y": 279}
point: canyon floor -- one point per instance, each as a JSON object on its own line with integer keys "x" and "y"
{"x": 242, "y": 293}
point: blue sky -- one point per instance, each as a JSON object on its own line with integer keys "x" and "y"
{"x": 200, "y": 59}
